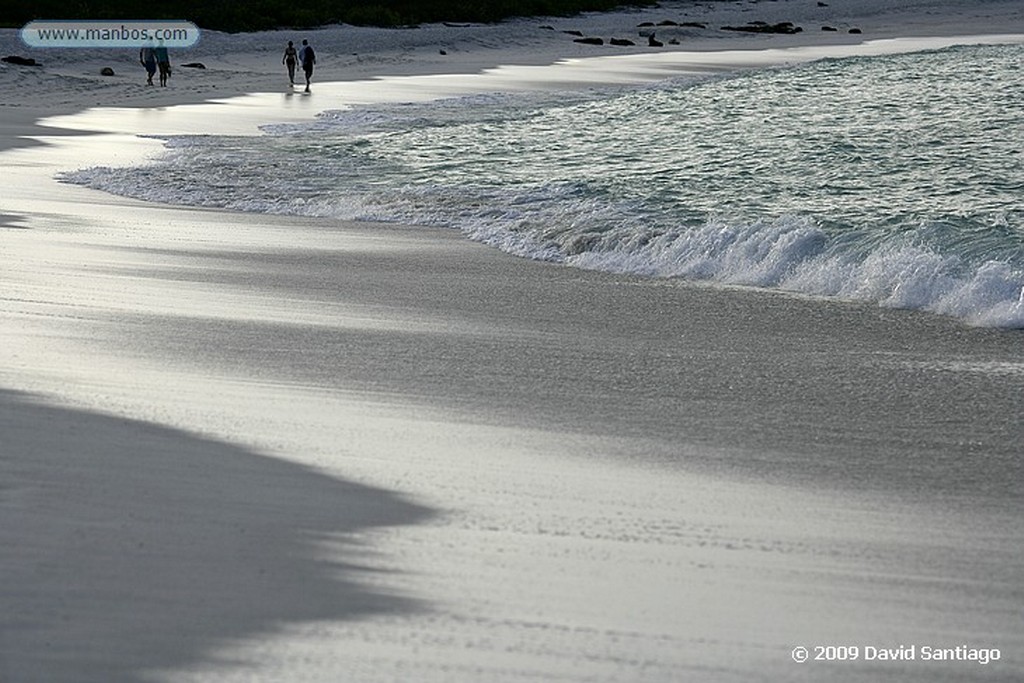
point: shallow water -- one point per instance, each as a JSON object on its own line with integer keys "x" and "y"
{"x": 895, "y": 179}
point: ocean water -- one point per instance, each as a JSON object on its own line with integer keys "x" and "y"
{"x": 895, "y": 179}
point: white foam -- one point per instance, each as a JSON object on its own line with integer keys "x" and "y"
{"x": 790, "y": 253}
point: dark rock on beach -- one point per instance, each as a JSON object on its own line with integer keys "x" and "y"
{"x": 106, "y": 71}
{"x": 669, "y": 22}
{"x": 20, "y": 61}
{"x": 785, "y": 27}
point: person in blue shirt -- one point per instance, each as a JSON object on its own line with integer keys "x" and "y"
{"x": 308, "y": 59}
{"x": 163, "y": 62}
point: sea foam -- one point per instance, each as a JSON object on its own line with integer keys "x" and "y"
{"x": 815, "y": 185}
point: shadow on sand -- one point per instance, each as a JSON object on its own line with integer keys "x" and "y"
{"x": 12, "y": 221}
{"x": 127, "y": 547}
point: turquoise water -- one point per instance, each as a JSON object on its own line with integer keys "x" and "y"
{"x": 895, "y": 179}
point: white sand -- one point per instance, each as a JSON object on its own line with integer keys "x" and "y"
{"x": 241, "y": 447}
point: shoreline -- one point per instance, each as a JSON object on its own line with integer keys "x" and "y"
{"x": 249, "y": 113}
{"x": 264, "y": 107}
{"x": 372, "y": 451}
{"x": 241, "y": 64}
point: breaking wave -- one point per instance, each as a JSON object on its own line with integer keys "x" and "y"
{"x": 908, "y": 193}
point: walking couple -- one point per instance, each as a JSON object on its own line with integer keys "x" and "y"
{"x": 306, "y": 56}
{"x": 154, "y": 58}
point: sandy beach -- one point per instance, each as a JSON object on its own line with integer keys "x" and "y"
{"x": 239, "y": 446}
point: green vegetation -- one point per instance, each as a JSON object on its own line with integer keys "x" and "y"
{"x": 255, "y": 15}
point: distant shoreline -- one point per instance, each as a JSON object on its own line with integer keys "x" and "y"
{"x": 236, "y": 64}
